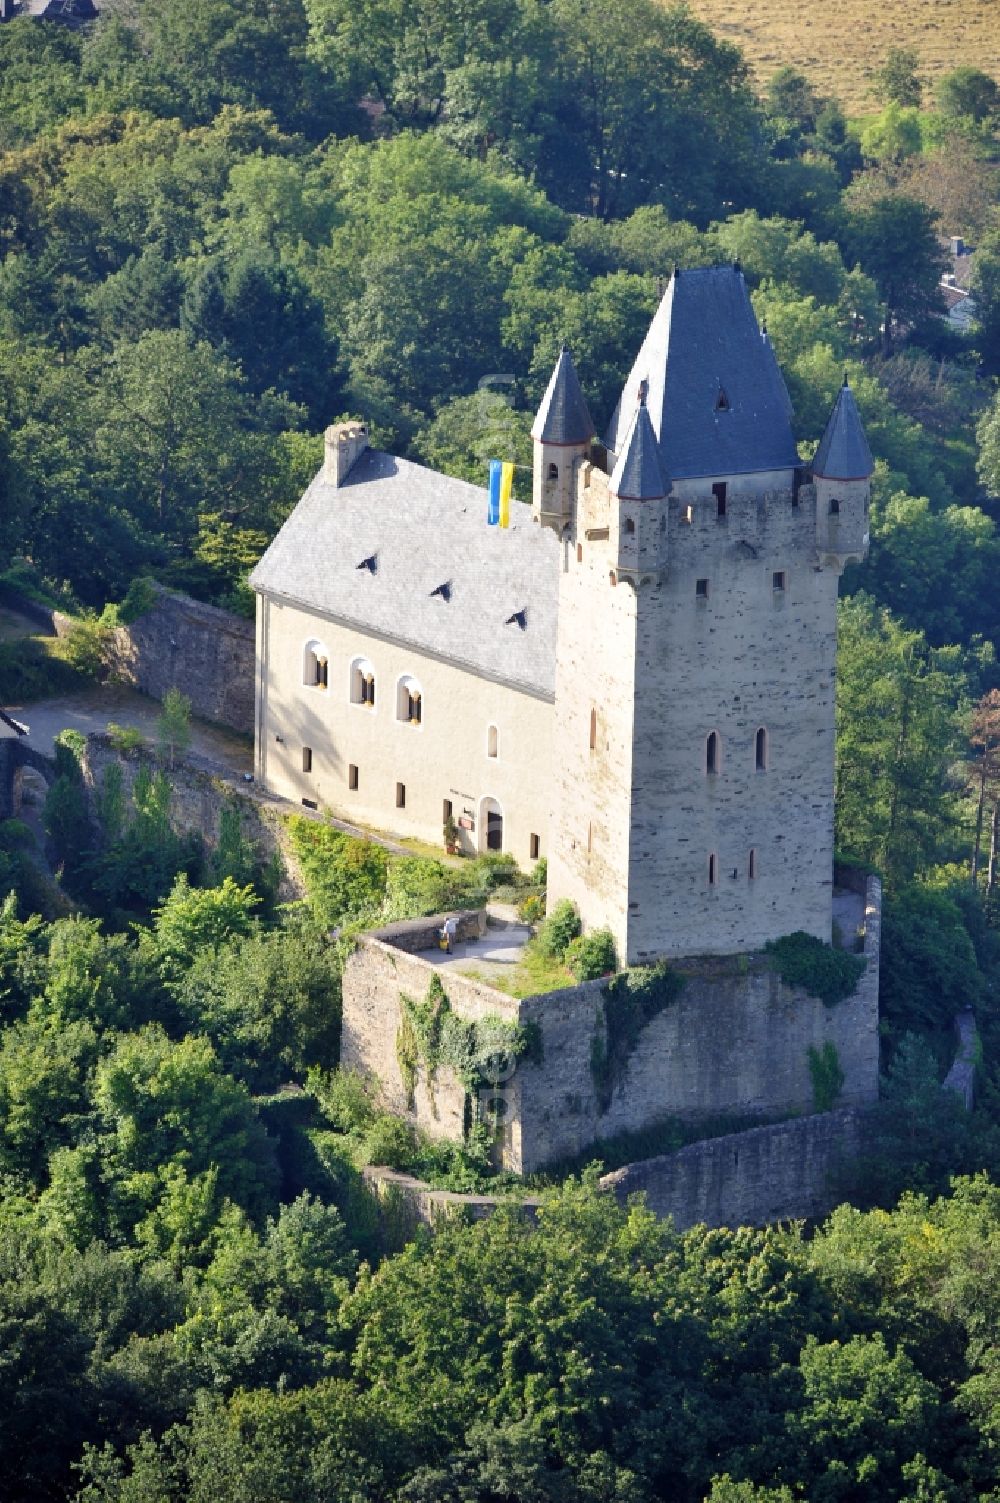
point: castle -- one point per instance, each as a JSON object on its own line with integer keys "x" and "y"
{"x": 635, "y": 680}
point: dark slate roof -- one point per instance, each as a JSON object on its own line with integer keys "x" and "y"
{"x": 638, "y": 475}
{"x": 424, "y": 531}
{"x": 717, "y": 399}
{"x": 843, "y": 452}
{"x": 563, "y": 417}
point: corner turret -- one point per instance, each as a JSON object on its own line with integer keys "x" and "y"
{"x": 842, "y": 471}
{"x": 638, "y": 485}
{"x": 562, "y": 433}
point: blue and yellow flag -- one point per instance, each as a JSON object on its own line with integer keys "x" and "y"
{"x": 498, "y": 504}
{"x": 493, "y": 501}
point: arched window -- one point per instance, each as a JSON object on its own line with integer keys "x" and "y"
{"x": 315, "y": 666}
{"x": 363, "y": 683}
{"x": 492, "y": 741}
{"x": 713, "y": 869}
{"x": 760, "y": 750}
{"x": 630, "y": 524}
{"x": 553, "y": 472}
{"x": 713, "y": 752}
{"x": 834, "y": 506}
{"x": 409, "y": 701}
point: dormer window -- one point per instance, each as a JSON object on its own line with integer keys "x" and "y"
{"x": 721, "y": 401}
{"x": 442, "y": 590}
{"x": 370, "y": 563}
{"x": 519, "y": 618}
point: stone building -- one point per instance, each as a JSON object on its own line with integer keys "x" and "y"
{"x": 635, "y": 680}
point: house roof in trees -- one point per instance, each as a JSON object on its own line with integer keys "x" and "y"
{"x": 843, "y": 452}
{"x": 13, "y": 725}
{"x": 717, "y": 400}
{"x": 638, "y": 475}
{"x": 563, "y": 417}
{"x": 498, "y": 615}
{"x": 69, "y": 12}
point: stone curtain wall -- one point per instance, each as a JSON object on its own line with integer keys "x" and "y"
{"x": 778, "y": 1173}
{"x": 206, "y": 653}
{"x": 735, "y": 1041}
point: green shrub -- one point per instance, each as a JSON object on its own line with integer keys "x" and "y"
{"x": 139, "y": 599}
{"x": 34, "y": 668}
{"x": 802, "y": 960}
{"x": 559, "y": 930}
{"x": 826, "y": 1074}
{"x": 592, "y": 955}
{"x": 492, "y": 869}
{"x": 540, "y": 872}
{"x": 346, "y": 1097}
{"x": 124, "y": 738}
{"x": 532, "y": 909}
{"x": 85, "y": 646}
{"x": 392, "y": 1142}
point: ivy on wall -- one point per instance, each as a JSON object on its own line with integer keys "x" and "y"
{"x": 478, "y": 1052}
{"x": 802, "y": 960}
{"x": 629, "y": 1001}
{"x": 826, "y": 1074}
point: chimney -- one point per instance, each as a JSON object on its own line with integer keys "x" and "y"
{"x": 957, "y": 245}
{"x": 345, "y": 443}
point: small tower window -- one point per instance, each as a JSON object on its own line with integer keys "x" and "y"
{"x": 713, "y": 869}
{"x": 534, "y": 847}
{"x": 701, "y": 589}
{"x": 553, "y": 472}
{"x": 720, "y": 493}
{"x": 492, "y": 742}
{"x": 400, "y": 795}
{"x": 593, "y": 730}
{"x": 722, "y": 401}
{"x": 713, "y": 752}
{"x": 834, "y": 507}
{"x": 579, "y": 553}
{"x": 760, "y": 750}
{"x": 752, "y": 865}
{"x": 447, "y": 811}
{"x": 352, "y": 777}
{"x": 630, "y": 524}
{"x": 590, "y": 838}
{"x": 778, "y": 580}
{"x": 307, "y": 759}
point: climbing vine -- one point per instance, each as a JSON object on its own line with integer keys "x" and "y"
{"x": 802, "y": 960}
{"x": 629, "y": 1001}
{"x": 826, "y": 1074}
{"x": 479, "y": 1052}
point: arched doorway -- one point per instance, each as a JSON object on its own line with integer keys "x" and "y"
{"x": 490, "y": 825}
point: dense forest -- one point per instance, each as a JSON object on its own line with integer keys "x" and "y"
{"x": 223, "y": 224}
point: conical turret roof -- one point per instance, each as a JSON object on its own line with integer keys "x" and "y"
{"x": 638, "y": 474}
{"x": 563, "y": 417}
{"x": 843, "y": 452}
{"x": 716, "y": 400}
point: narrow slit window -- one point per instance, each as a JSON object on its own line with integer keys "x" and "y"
{"x": 352, "y": 777}
{"x": 534, "y": 847}
{"x": 590, "y": 838}
{"x": 492, "y": 742}
{"x": 593, "y": 730}
{"x": 701, "y": 589}
{"x": 752, "y": 865}
{"x": 630, "y": 524}
{"x": 713, "y": 752}
{"x": 400, "y": 795}
{"x": 307, "y": 759}
{"x": 687, "y": 513}
{"x": 713, "y": 870}
{"x": 722, "y": 401}
{"x": 760, "y": 750}
{"x": 719, "y": 491}
{"x": 579, "y": 553}
{"x": 447, "y": 811}
{"x": 778, "y": 580}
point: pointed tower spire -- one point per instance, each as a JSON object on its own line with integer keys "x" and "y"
{"x": 638, "y": 474}
{"x": 843, "y": 452}
{"x": 563, "y": 417}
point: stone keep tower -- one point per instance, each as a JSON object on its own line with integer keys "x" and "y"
{"x": 694, "y": 718}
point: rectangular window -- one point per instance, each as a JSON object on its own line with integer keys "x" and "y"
{"x": 701, "y": 589}
{"x": 719, "y": 492}
{"x": 534, "y": 847}
{"x": 446, "y": 811}
{"x": 352, "y": 777}
{"x": 778, "y": 579}
{"x": 307, "y": 759}
{"x": 752, "y": 865}
{"x": 687, "y": 513}
{"x": 712, "y": 871}
{"x": 400, "y": 795}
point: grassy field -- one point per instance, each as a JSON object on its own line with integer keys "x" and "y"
{"x": 837, "y": 43}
